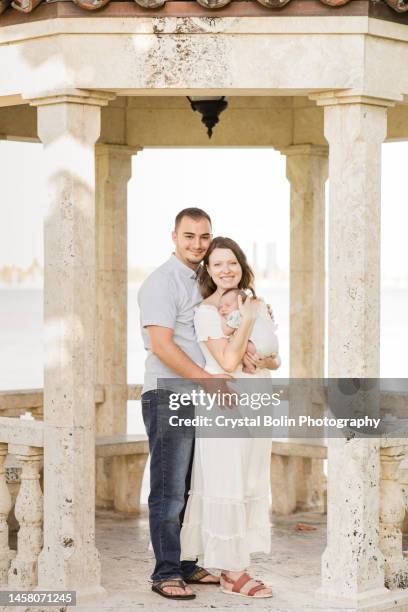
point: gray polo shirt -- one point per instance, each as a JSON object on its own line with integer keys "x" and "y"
{"x": 168, "y": 297}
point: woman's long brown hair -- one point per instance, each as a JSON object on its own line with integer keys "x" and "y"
{"x": 206, "y": 283}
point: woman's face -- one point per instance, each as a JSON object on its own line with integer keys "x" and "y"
{"x": 224, "y": 268}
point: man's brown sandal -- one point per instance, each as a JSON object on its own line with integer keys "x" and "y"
{"x": 197, "y": 577}
{"x": 157, "y": 587}
{"x": 242, "y": 581}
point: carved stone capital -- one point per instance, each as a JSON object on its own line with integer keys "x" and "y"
{"x": 73, "y": 96}
{"x": 305, "y": 149}
{"x": 334, "y": 98}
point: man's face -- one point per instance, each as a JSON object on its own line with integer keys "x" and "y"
{"x": 192, "y": 239}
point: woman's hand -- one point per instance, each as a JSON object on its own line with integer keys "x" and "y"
{"x": 270, "y": 363}
{"x": 256, "y": 361}
{"x": 249, "y": 362}
{"x": 250, "y": 308}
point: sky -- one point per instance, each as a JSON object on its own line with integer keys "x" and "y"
{"x": 244, "y": 190}
{"x": 247, "y": 195}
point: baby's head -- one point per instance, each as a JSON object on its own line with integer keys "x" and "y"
{"x": 229, "y": 301}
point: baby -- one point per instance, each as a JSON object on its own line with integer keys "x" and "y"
{"x": 263, "y": 339}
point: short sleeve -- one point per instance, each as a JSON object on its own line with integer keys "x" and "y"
{"x": 157, "y": 302}
{"x": 207, "y": 323}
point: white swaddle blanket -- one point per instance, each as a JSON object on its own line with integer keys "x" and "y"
{"x": 263, "y": 333}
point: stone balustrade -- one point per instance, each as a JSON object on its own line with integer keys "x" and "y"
{"x": 6, "y": 554}
{"x": 392, "y": 511}
{"x": 21, "y": 485}
{"x": 29, "y": 514}
{"x": 129, "y": 454}
{"x": 22, "y": 440}
{"x": 14, "y": 403}
{"x": 403, "y": 478}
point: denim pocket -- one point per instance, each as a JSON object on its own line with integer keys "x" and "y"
{"x": 146, "y": 413}
{"x": 145, "y": 404}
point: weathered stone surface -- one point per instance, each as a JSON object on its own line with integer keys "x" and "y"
{"x": 352, "y": 564}
{"x": 298, "y": 483}
{"x": 392, "y": 513}
{"x": 181, "y": 55}
{"x": 23, "y": 572}
{"x": 307, "y": 171}
{"x": 5, "y": 506}
{"x": 69, "y": 125}
{"x": 113, "y": 170}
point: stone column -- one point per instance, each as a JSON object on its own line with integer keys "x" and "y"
{"x": 113, "y": 171}
{"x": 68, "y": 126}
{"x": 355, "y": 127}
{"x": 306, "y": 170}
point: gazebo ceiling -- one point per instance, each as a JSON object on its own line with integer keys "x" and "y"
{"x": 27, "y": 6}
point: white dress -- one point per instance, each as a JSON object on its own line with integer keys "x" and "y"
{"x": 227, "y": 513}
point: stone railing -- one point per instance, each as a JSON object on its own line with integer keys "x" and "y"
{"x": 393, "y": 504}
{"x": 15, "y": 403}
{"x": 21, "y": 482}
{"x": 21, "y": 438}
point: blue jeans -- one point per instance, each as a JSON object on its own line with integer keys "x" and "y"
{"x": 171, "y": 458}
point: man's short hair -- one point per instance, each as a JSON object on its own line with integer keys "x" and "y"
{"x": 193, "y": 213}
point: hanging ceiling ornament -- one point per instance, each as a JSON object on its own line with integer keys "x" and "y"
{"x": 210, "y": 108}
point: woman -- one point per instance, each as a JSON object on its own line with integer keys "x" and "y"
{"x": 227, "y": 513}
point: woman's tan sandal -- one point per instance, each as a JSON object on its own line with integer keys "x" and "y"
{"x": 241, "y": 582}
{"x": 199, "y": 574}
{"x": 158, "y": 587}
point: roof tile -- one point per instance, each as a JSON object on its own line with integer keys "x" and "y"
{"x": 27, "y": 6}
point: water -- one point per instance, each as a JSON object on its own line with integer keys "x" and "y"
{"x": 21, "y": 352}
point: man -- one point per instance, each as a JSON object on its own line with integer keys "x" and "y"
{"x": 167, "y": 300}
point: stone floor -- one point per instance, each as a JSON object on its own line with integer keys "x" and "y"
{"x": 292, "y": 569}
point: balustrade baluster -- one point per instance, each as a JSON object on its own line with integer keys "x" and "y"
{"x": 6, "y": 554}
{"x": 29, "y": 513}
{"x": 392, "y": 512}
